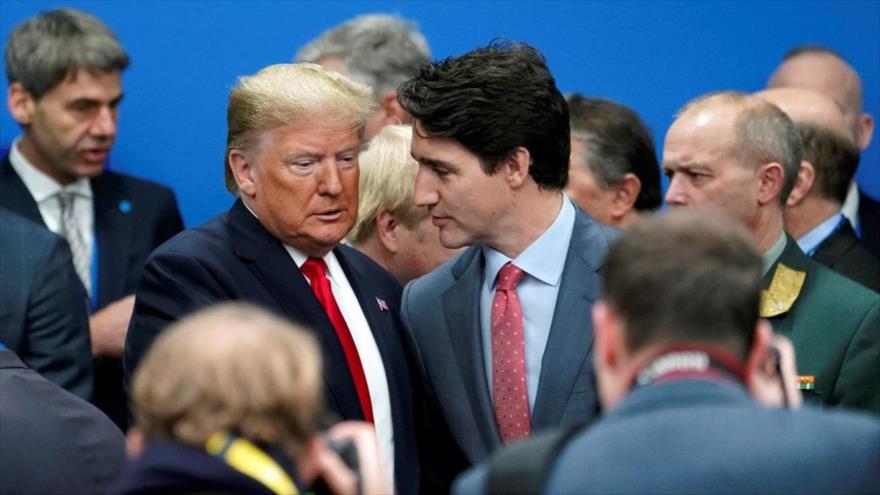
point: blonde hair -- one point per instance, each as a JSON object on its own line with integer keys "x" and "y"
{"x": 232, "y": 367}
{"x": 388, "y": 174}
{"x": 282, "y": 95}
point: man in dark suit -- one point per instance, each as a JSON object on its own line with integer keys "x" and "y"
{"x": 292, "y": 160}
{"x": 64, "y": 68}
{"x": 53, "y": 442}
{"x": 43, "y": 307}
{"x": 826, "y": 71}
{"x": 679, "y": 347}
{"x": 812, "y": 212}
{"x": 498, "y": 331}
{"x": 741, "y": 154}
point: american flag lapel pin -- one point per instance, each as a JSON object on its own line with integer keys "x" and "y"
{"x": 383, "y": 306}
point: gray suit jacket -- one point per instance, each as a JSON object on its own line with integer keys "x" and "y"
{"x": 43, "y": 307}
{"x": 441, "y": 311}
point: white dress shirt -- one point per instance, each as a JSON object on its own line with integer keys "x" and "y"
{"x": 44, "y": 190}
{"x": 371, "y": 360}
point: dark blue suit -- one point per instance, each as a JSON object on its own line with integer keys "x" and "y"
{"x": 701, "y": 436}
{"x": 43, "y": 307}
{"x": 442, "y": 312}
{"x": 233, "y": 257}
{"x": 132, "y": 217}
{"x": 51, "y": 441}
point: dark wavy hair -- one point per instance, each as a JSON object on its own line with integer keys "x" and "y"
{"x": 493, "y": 100}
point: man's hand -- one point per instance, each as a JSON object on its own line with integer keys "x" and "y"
{"x": 775, "y": 382}
{"x": 338, "y": 477}
{"x": 108, "y": 327}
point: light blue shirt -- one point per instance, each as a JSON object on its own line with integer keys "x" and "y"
{"x": 811, "y": 240}
{"x": 542, "y": 263}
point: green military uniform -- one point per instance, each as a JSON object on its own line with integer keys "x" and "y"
{"x": 834, "y": 324}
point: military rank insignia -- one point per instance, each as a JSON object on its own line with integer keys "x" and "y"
{"x": 806, "y": 382}
{"x": 783, "y": 291}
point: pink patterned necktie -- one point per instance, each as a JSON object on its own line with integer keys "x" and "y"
{"x": 508, "y": 358}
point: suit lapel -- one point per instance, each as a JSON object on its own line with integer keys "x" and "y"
{"x": 836, "y": 245}
{"x": 571, "y": 333}
{"x": 114, "y": 224}
{"x": 274, "y": 268}
{"x": 14, "y": 195}
{"x": 461, "y": 303}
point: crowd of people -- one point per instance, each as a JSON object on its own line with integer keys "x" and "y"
{"x": 438, "y": 276}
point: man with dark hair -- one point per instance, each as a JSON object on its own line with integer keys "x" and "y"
{"x": 741, "y": 154}
{"x": 498, "y": 331}
{"x": 827, "y": 72}
{"x": 64, "y": 68}
{"x": 812, "y": 212}
{"x": 679, "y": 347}
{"x": 379, "y": 50}
{"x": 614, "y": 174}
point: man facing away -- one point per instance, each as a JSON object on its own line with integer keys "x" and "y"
{"x": 614, "y": 174}
{"x": 379, "y": 50}
{"x": 679, "y": 346}
{"x": 740, "y": 154}
{"x": 65, "y": 85}
{"x": 813, "y": 209}
{"x": 826, "y": 71}
{"x": 498, "y": 330}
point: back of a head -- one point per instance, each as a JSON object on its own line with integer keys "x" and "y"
{"x": 493, "y": 100}
{"x": 230, "y": 368}
{"x": 378, "y": 50}
{"x": 617, "y": 142}
{"x": 388, "y": 174}
{"x": 686, "y": 275}
{"x": 764, "y": 133}
{"x": 285, "y": 95}
{"x": 43, "y": 50}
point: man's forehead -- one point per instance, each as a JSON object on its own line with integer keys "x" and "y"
{"x": 820, "y": 72}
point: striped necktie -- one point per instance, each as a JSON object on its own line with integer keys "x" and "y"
{"x": 75, "y": 238}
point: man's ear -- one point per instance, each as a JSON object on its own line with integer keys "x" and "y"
{"x": 607, "y": 335}
{"x": 866, "y": 130}
{"x": 772, "y": 177}
{"x": 386, "y": 229}
{"x": 392, "y": 112}
{"x": 21, "y": 104}
{"x": 757, "y": 355}
{"x": 243, "y": 171}
{"x": 803, "y": 185}
{"x": 516, "y": 166}
{"x": 626, "y": 192}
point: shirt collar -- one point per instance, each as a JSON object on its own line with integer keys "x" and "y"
{"x": 773, "y": 253}
{"x": 811, "y": 240}
{"x": 544, "y": 259}
{"x": 40, "y": 185}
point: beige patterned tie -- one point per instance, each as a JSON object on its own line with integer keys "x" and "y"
{"x": 70, "y": 230}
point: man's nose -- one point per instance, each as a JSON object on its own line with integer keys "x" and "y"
{"x": 104, "y": 125}
{"x": 424, "y": 192}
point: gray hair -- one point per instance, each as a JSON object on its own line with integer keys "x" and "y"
{"x": 765, "y": 134}
{"x": 378, "y": 50}
{"x": 44, "y": 49}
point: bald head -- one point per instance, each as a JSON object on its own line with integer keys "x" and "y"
{"x": 805, "y": 106}
{"x": 825, "y": 72}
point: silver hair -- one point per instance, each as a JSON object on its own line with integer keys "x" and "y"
{"x": 44, "y": 49}
{"x": 378, "y": 50}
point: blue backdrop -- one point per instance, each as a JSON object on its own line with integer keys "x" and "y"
{"x": 652, "y": 56}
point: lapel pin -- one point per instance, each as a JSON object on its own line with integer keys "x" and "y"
{"x": 383, "y": 306}
{"x": 125, "y": 206}
{"x": 806, "y": 382}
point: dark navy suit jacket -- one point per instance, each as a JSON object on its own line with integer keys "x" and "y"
{"x": 50, "y": 440}
{"x": 709, "y": 437}
{"x": 43, "y": 307}
{"x": 233, "y": 257}
{"x": 132, "y": 217}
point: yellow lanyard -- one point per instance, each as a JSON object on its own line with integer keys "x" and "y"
{"x": 248, "y": 459}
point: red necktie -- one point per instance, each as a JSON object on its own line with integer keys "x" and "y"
{"x": 509, "y": 388}
{"x": 316, "y": 271}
